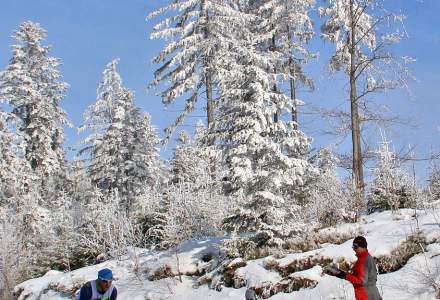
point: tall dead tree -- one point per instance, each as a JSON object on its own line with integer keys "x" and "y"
{"x": 363, "y": 31}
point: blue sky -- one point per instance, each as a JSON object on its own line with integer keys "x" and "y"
{"x": 87, "y": 34}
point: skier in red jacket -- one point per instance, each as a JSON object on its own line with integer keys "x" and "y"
{"x": 364, "y": 273}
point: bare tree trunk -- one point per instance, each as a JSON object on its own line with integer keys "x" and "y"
{"x": 209, "y": 101}
{"x": 293, "y": 97}
{"x": 294, "y": 110}
{"x": 208, "y": 78}
{"x": 178, "y": 264}
{"x": 210, "y": 117}
{"x": 355, "y": 122}
{"x": 276, "y": 116}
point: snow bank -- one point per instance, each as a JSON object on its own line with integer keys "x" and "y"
{"x": 384, "y": 232}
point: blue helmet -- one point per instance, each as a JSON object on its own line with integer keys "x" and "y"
{"x": 105, "y": 274}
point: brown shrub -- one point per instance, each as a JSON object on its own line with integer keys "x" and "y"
{"x": 413, "y": 245}
{"x": 287, "y": 285}
{"x": 229, "y": 277}
{"x": 301, "y": 265}
{"x": 270, "y": 264}
{"x": 162, "y": 272}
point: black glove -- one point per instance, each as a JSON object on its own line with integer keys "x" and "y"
{"x": 332, "y": 271}
{"x": 341, "y": 274}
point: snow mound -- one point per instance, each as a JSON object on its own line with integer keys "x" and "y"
{"x": 272, "y": 276}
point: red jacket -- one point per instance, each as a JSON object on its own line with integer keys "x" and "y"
{"x": 363, "y": 277}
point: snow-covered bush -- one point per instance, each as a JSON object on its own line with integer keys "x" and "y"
{"x": 429, "y": 277}
{"x": 247, "y": 248}
{"x": 13, "y": 256}
{"x": 182, "y": 213}
{"x": 196, "y": 162}
{"x": 329, "y": 202}
{"x": 434, "y": 182}
{"x": 106, "y": 230}
{"x": 151, "y": 215}
{"x": 192, "y": 204}
{"x": 392, "y": 187}
{"x": 29, "y": 242}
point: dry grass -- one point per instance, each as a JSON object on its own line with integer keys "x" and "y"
{"x": 414, "y": 244}
{"x": 162, "y": 272}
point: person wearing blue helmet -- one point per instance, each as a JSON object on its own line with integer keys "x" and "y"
{"x": 99, "y": 289}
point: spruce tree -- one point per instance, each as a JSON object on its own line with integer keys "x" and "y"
{"x": 194, "y": 30}
{"x": 31, "y": 84}
{"x": 290, "y": 25}
{"x": 122, "y": 146}
{"x": 264, "y": 154}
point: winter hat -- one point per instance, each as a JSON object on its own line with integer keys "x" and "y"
{"x": 360, "y": 241}
{"x": 105, "y": 274}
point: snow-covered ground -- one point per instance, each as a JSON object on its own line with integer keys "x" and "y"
{"x": 384, "y": 232}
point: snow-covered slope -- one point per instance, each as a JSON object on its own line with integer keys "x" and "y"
{"x": 385, "y": 232}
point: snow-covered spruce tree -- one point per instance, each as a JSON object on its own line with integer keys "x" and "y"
{"x": 328, "y": 203}
{"x": 186, "y": 164}
{"x": 122, "y": 146}
{"x": 11, "y": 164}
{"x": 15, "y": 175}
{"x": 32, "y": 87}
{"x": 97, "y": 227}
{"x": 142, "y": 166}
{"x": 98, "y": 118}
{"x": 194, "y": 30}
{"x": 78, "y": 185}
{"x": 363, "y": 32}
{"x": 263, "y": 155}
{"x": 22, "y": 213}
{"x": 392, "y": 187}
{"x": 152, "y": 216}
{"x": 291, "y": 28}
{"x": 7, "y": 176}
{"x": 31, "y": 84}
{"x": 192, "y": 157}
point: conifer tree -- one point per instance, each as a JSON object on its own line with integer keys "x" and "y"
{"x": 31, "y": 84}
{"x": 194, "y": 161}
{"x": 16, "y": 176}
{"x": 141, "y": 147}
{"x": 194, "y": 30}
{"x": 99, "y": 119}
{"x": 291, "y": 28}
{"x": 122, "y": 145}
{"x": 264, "y": 155}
